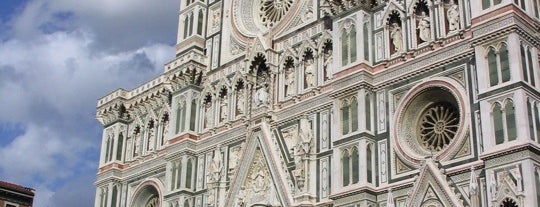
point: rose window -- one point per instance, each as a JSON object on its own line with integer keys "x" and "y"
{"x": 272, "y": 11}
{"x": 438, "y": 125}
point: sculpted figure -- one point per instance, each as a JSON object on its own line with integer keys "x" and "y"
{"x": 452, "y": 16}
{"x": 424, "y": 27}
{"x": 326, "y": 65}
{"x": 241, "y": 102}
{"x": 216, "y": 165}
{"x": 223, "y": 109}
{"x": 208, "y": 119}
{"x": 290, "y": 82}
{"x": 397, "y": 38}
{"x": 473, "y": 185}
{"x": 261, "y": 96}
{"x": 310, "y": 73}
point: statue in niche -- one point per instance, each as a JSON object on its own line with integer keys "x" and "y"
{"x": 211, "y": 197}
{"x": 137, "y": 144}
{"x": 261, "y": 96}
{"x": 517, "y": 176}
{"x": 216, "y": 165}
{"x": 208, "y": 119}
{"x": 240, "y": 102}
{"x": 290, "y": 82}
{"x": 302, "y": 148}
{"x": 473, "y": 185}
{"x": 326, "y": 65}
{"x": 452, "y": 16}
{"x": 424, "y": 25}
{"x": 397, "y": 38}
{"x": 234, "y": 157}
{"x": 493, "y": 186}
{"x": 309, "y": 73}
{"x": 223, "y": 109}
{"x": 259, "y": 181}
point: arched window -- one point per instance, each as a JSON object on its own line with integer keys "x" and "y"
{"x": 186, "y": 26}
{"x": 498, "y": 124}
{"x": 180, "y": 116}
{"x": 346, "y": 167}
{"x": 108, "y": 143}
{"x": 531, "y": 120}
{"x": 189, "y": 168}
{"x": 193, "y": 115}
{"x": 505, "y": 64}
{"x": 369, "y": 163}
{"x": 345, "y": 117}
{"x": 354, "y": 115}
{"x": 352, "y": 43}
{"x": 200, "y": 23}
{"x": 368, "y": 111}
{"x": 355, "y": 165}
{"x": 178, "y": 174}
{"x": 537, "y": 15}
{"x": 536, "y": 122}
{"x": 120, "y": 146}
{"x": 537, "y": 183}
{"x": 173, "y": 175}
{"x": 190, "y": 24}
{"x": 104, "y": 197}
{"x": 492, "y": 64}
{"x": 344, "y": 48}
{"x": 348, "y": 45}
{"x": 366, "y": 41}
{"x": 531, "y": 66}
{"x": 485, "y": 4}
{"x": 186, "y": 203}
{"x": 510, "y": 121}
{"x": 523, "y": 63}
{"x": 114, "y": 197}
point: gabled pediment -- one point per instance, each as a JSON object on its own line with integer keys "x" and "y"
{"x": 257, "y": 182}
{"x": 432, "y": 188}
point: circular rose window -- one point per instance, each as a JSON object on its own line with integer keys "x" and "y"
{"x": 253, "y": 18}
{"x": 272, "y": 11}
{"x": 438, "y": 125}
{"x": 431, "y": 120}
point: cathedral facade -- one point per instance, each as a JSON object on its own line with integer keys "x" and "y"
{"x": 353, "y": 103}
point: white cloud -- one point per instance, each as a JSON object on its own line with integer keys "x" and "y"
{"x": 62, "y": 57}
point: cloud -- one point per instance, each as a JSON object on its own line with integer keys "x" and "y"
{"x": 59, "y": 58}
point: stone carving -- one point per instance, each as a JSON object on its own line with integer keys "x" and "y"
{"x": 424, "y": 25}
{"x": 390, "y": 199}
{"x": 396, "y": 36}
{"x": 236, "y": 152}
{"x": 290, "y": 139}
{"x": 271, "y": 12}
{"x": 223, "y": 109}
{"x": 211, "y": 197}
{"x": 473, "y": 183}
{"x": 301, "y": 150}
{"x": 261, "y": 96}
{"x": 257, "y": 188}
{"x": 493, "y": 185}
{"x": 452, "y": 16}
{"x": 517, "y": 175}
{"x": 290, "y": 82}
{"x": 216, "y": 19}
{"x": 309, "y": 73}
{"x": 328, "y": 59}
{"x": 208, "y": 118}
{"x": 240, "y": 102}
{"x": 382, "y": 148}
{"x": 216, "y": 166}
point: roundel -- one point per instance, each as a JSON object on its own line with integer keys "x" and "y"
{"x": 431, "y": 119}
{"x": 258, "y": 17}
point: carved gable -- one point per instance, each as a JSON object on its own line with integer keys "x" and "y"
{"x": 432, "y": 189}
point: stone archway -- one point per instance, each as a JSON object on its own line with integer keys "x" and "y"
{"x": 147, "y": 196}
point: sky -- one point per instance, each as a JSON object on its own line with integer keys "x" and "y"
{"x": 57, "y": 58}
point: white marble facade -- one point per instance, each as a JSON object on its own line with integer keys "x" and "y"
{"x": 390, "y": 103}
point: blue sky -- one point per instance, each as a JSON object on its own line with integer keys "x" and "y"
{"x": 57, "y": 57}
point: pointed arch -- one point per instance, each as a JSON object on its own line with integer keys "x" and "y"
{"x": 355, "y": 164}
{"x": 345, "y": 167}
{"x": 510, "y": 119}
{"x": 497, "y": 117}
{"x": 369, "y": 162}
